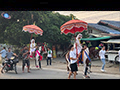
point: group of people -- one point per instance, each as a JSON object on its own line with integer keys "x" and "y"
{"x": 34, "y": 53}
{"x": 6, "y": 55}
{"x": 78, "y": 53}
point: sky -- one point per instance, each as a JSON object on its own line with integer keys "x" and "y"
{"x": 94, "y": 16}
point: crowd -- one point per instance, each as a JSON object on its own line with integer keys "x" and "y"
{"x": 34, "y": 52}
{"x": 78, "y": 53}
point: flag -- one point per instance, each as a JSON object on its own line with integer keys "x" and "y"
{"x": 72, "y": 17}
{"x": 34, "y": 23}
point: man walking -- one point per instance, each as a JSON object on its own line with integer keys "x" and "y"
{"x": 26, "y": 59}
{"x": 86, "y": 62}
{"x": 102, "y": 57}
{"x": 73, "y": 62}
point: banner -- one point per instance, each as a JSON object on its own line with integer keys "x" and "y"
{"x": 54, "y": 52}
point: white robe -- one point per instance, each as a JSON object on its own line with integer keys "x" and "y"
{"x": 32, "y": 48}
{"x": 79, "y": 47}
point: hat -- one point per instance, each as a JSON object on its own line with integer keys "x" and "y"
{"x": 83, "y": 42}
{"x": 32, "y": 40}
{"x": 79, "y": 35}
{"x": 96, "y": 48}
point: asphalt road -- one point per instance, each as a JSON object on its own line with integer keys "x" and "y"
{"x": 47, "y": 73}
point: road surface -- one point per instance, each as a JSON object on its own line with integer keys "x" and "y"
{"x": 47, "y": 73}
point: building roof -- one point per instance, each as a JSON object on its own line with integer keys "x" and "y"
{"x": 103, "y": 34}
{"x": 104, "y": 29}
{"x": 113, "y": 24}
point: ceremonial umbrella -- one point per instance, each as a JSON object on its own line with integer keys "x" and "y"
{"x": 32, "y": 29}
{"x": 73, "y": 26}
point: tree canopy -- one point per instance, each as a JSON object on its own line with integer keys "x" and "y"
{"x": 50, "y": 22}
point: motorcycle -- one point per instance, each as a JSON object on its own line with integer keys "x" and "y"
{"x": 11, "y": 64}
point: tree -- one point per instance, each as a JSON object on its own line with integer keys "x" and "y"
{"x": 11, "y": 30}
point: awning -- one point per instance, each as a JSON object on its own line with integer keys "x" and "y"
{"x": 96, "y": 39}
{"x": 116, "y": 41}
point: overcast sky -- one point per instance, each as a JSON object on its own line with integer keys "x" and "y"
{"x": 94, "y": 16}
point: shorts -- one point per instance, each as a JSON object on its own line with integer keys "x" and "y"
{"x": 26, "y": 62}
{"x": 73, "y": 67}
{"x": 3, "y": 59}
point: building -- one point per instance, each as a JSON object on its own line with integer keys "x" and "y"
{"x": 104, "y": 28}
{"x": 102, "y": 31}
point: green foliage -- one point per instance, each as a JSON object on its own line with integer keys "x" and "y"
{"x": 11, "y": 30}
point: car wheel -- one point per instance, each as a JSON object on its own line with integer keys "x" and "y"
{"x": 117, "y": 59}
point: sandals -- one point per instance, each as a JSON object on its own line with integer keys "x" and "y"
{"x": 1, "y": 71}
{"x": 29, "y": 72}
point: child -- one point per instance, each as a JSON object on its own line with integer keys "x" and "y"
{"x": 32, "y": 48}
{"x": 49, "y": 55}
{"x": 73, "y": 62}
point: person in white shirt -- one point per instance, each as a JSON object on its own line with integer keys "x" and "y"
{"x": 49, "y": 55}
{"x": 119, "y": 55}
{"x": 73, "y": 62}
{"x": 3, "y": 54}
{"x": 102, "y": 57}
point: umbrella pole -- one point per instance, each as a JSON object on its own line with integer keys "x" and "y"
{"x": 76, "y": 48}
{"x": 77, "y": 53}
{"x": 29, "y": 45}
{"x": 30, "y": 40}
